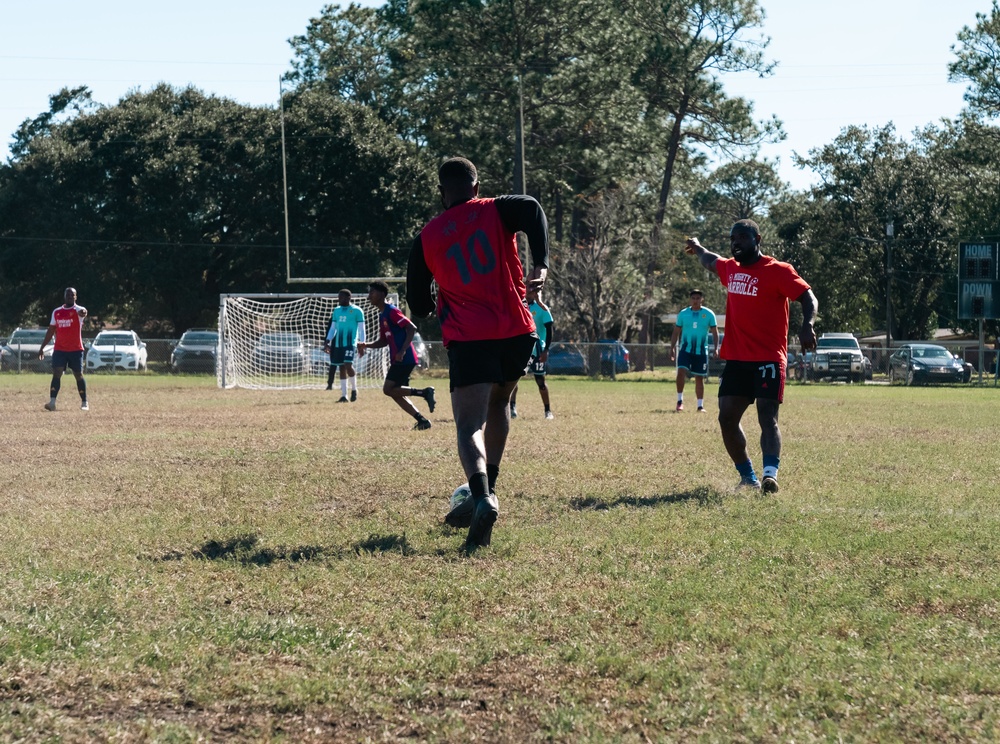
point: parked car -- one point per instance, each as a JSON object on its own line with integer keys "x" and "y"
{"x": 423, "y": 355}
{"x": 838, "y": 356}
{"x": 800, "y": 366}
{"x": 117, "y": 350}
{"x": 566, "y": 359}
{"x": 196, "y": 351}
{"x": 20, "y": 352}
{"x": 614, "y": 355}
{"x": 915, "y": 364}
{"x": 281, "y": 352}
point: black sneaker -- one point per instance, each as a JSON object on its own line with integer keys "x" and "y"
{"x": 461, "y": 515}
{"x": 422, "y": 424}
{"x": 354, "y": 396}
{"x": 329, "y": 387}
{"x": 429, "y": 397}
{"x": 769, "y": 484}
{"x": 343, "y": 399}
{"x": 484, "y": 516}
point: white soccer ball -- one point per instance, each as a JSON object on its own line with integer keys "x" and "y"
{"x": 460, "y": 494}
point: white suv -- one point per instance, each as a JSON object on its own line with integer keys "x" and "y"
{"x": 838, "y": 355}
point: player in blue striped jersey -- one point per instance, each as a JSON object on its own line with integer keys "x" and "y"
{"x": 347, "y": 328}
{"x": 693, "y": 325}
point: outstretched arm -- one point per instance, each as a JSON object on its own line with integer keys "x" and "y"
{"x": 706, "y": 257}
{"x": 807, "y": 334}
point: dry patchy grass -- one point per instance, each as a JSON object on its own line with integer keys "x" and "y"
{"x": 183, "y": 563}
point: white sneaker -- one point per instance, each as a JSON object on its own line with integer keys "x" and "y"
{"x": 84, "y": 406}
{"x": 549, "y": 415}
{"x": 50, "y": 406}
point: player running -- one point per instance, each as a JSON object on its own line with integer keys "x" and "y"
{"x": 396, "y": 331}
{"x": 470, "y": 250}
{"x": 538, "y": 364}
{"x": 66, "y": 325}
{"x": 347, "y": 326}
{"x": 755, "y": 345}
{"x": 692, "y": 329}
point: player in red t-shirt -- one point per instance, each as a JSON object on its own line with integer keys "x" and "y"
{"x": 755, "y": 345}
{"x": 66, "y": 325}
{"x": 470, "y": 250}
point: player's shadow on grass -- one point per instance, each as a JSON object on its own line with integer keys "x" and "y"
{"x": 703, "y": 495}
{"x": 247, "y": 550}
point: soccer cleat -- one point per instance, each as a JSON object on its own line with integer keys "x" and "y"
{"x": 513, "y": 411}
{"x": 484, "y": 516}
{"x": 680, "y": 408}
{"x": 749, "y": 483}
{"x": 343, "y": 399}
{"x": 422, "y": 424}
{"x": 50, "y": 406}
{"x": 429, "y": 397}
{"x": 329, "y": 387}
{"x": 701, "y": 409}
{"x": 549, "y": 415}
{"x": 354, "y": 396}
{"x": 84, "y": 406}
{"x": 461, "y": 515}
{"x": 769, "y": 484}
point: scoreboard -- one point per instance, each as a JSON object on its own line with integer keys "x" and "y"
{"x": 978, "y": 282}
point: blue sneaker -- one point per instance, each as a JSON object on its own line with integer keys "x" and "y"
{"x": 749, "y": 483}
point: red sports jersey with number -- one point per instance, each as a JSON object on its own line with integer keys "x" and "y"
{"x": 474, "y": 260}
{"x": 757, "y": 308}
{"x": 68, "y": 328}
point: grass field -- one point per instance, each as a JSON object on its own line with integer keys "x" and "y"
{"x": 187, "y": 564}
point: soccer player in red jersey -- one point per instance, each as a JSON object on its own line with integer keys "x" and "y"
{"x": 396, "y": 331}
{"x": 470, "y": 250}
{"x": 756, "y": 343}
{"x": 66, "y": 325}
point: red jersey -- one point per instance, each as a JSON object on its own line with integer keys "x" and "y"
{"x": 475, "y": 262}
{"x": 757, "y": 308}
{"x": 69, "y": 327}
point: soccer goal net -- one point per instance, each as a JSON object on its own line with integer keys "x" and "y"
{"x": 275, "y": 341}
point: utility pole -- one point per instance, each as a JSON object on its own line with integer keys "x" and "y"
{"x": 889, "y": 230}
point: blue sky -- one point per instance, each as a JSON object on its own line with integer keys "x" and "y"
{"x": 853, "y": 62}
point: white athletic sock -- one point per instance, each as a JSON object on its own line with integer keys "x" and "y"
{"x": 770, "y": 472}
{"x": 354, "y": 382}
{"x": 343, "y": 386}
{"x": 680, "y": 397}
{"x": 701, "y": 402}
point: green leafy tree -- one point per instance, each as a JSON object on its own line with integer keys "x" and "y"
{"x": 978, "y": 62}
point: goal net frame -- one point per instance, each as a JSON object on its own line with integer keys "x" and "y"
{"x": 275, "y": 341}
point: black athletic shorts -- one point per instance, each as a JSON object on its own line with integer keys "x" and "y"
{"x": 399, "y": 373}
{"x": 497, "y": 360}
{"x": 341, "y": 355}
{"x": 536, "y": 367}
{"x": 71, "y": 359}
{"x": 753, "y": 380}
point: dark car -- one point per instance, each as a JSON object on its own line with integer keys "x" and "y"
{"x": 196, "y": 351}
{"x": 916, "y": 364}
{"x": 614, "y": 356}
{"x": 20, "y": 352}
{"x": 566, "y": 359}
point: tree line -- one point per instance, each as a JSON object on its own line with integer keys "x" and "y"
{"x": 614, "y": 115}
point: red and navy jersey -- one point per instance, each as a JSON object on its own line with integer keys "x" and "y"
{"x": 470, "y": 250}
{"x": 392, "y": 325}
{"x": 69, "y": 336}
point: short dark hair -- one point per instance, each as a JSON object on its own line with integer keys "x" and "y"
{"x": 747, "y": 225}
{"x": 696, "y": 291}
{"x": 457, "y": 173}
{"x": 344, "y": 291}
{"x": 380, "y": 286}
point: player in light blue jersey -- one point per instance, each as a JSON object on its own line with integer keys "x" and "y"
{"x": 538, "y": 364}
{"x": 693, "y": 325}
{"x": 347, "y": 328}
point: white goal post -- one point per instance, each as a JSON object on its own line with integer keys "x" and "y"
{"x": 275, "y": 341}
